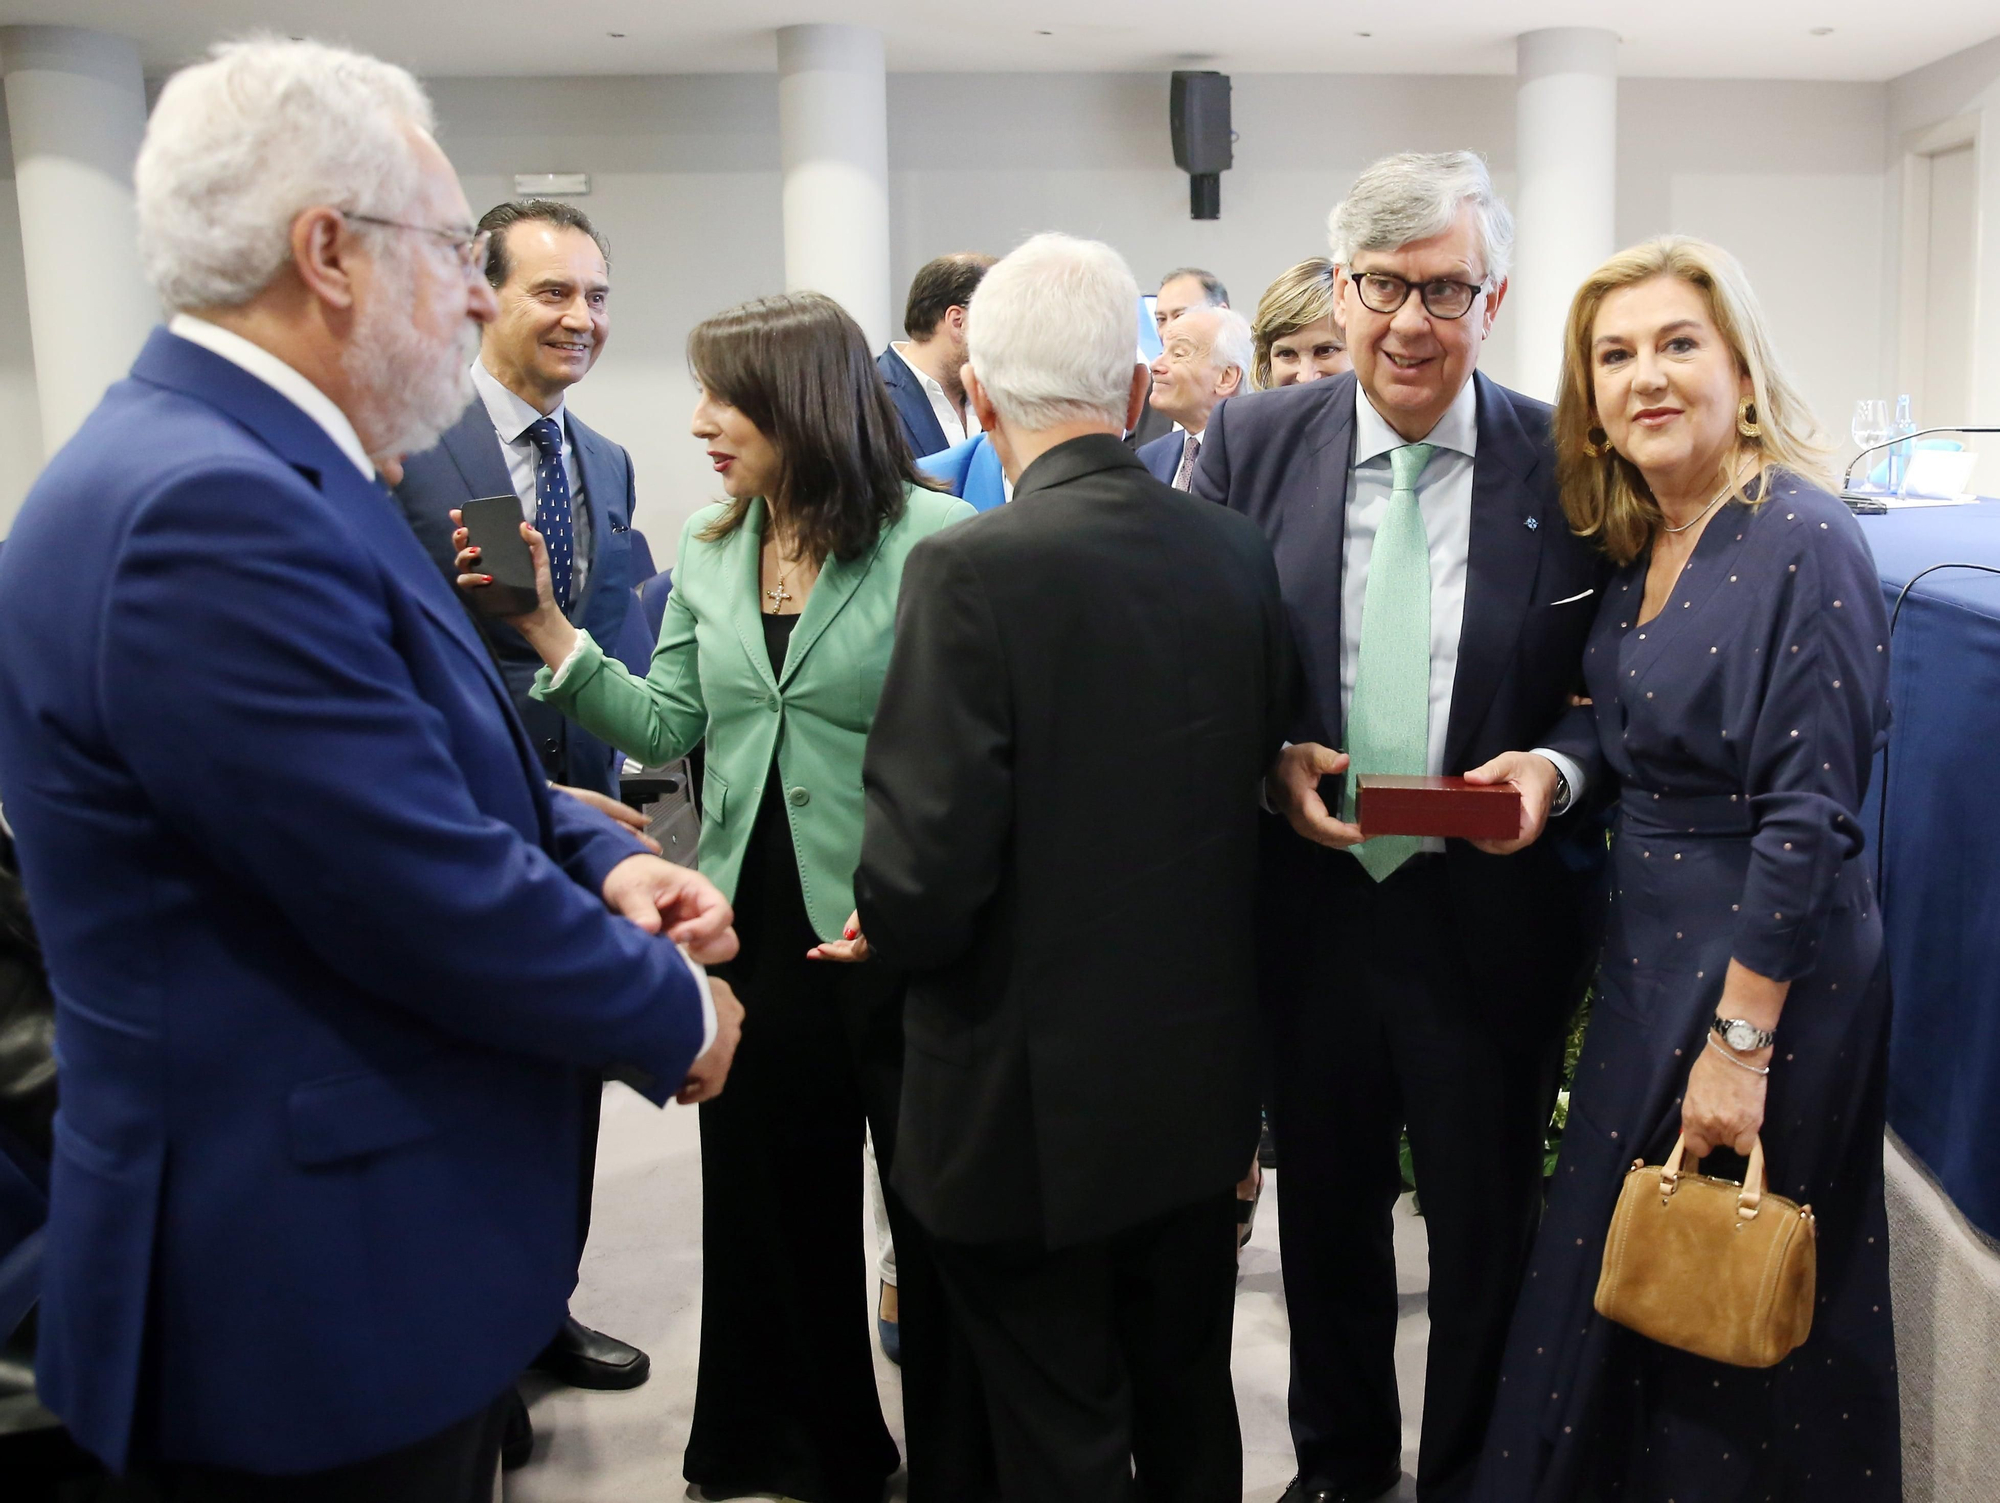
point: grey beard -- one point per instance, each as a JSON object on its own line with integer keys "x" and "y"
{"x": 411, "y": 389}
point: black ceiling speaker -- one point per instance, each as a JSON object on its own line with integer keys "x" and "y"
{"x": 1198, "y": 114}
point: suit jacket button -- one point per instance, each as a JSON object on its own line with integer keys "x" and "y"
{"x": 770, "y": 701}
{"x": 799, "y": 798}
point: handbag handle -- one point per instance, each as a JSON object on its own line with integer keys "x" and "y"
{"x": 1755, "y": 1185}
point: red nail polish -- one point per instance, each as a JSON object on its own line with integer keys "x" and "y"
{"x": 487, "y": 578}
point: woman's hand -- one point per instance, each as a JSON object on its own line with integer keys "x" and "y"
{"x": 548, "y": 631}
{"x": 1723, "y": 1107}
{"x": 850, "y": 947}
{"x": 1534, "y": 778}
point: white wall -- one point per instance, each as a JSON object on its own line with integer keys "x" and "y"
{"x": 685, "y": 182}
{"x": 20, "y": 409}
{"x": 1966, "y": 83}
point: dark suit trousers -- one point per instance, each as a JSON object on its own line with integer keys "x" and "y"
{"x": 1108, "y": 1359}
{"x": 456, "y": 1465}
{"x": 1380, "y": 1020}
{"x": 785, "y": 1399}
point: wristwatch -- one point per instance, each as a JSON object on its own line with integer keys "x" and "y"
{"x": 1742, "y": 1036}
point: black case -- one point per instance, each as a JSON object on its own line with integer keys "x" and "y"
{"x": 494, "y": 523}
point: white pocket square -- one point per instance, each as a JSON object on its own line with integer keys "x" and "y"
{"x": 1572, "y": 599}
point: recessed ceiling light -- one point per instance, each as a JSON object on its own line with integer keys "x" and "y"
{"x": 1045, "y": 33}
{"x": 1364, "y": 33}
{"x": 1822, "y": 31}
{"x": 617, "y": 35}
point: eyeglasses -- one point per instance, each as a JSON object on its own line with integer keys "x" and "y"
{"x": 471, "y": 245}
{"x": 1385, "y": 292}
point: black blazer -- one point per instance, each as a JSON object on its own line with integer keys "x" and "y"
{"x": 921, "y": 428}
{"x": 1532, "y": 589}
{"x": 467, "y": 461}
{"x": 1060, "y": 845}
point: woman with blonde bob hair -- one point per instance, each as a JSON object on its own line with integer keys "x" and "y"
{"x": 1296, "y": 335}
{"x": 1738, "y": 673}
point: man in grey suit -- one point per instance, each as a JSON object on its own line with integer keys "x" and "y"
{"x": 552, "y": 274}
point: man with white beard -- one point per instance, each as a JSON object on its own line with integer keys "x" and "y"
{"x": 330, "y": 964}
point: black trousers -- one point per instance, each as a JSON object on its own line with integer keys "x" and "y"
{"x": 1378, "y": 1021}
{"x": 456, "y": 1465}
{"x": 1106, "y": 1365}
{"x": 786, "y": 1400}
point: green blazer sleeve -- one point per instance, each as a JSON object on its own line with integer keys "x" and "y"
{"x": 655, "y": 719}
{"x": 806, "y": 722}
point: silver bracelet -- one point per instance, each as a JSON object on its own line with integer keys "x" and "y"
{"x": 1714, "y": 1044}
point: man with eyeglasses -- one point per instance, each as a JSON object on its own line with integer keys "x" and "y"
{"x": 332, "y": 967}
{"x": 1440, "y": 605}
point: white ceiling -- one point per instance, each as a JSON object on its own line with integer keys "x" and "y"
{"x": 1870, "y": 39}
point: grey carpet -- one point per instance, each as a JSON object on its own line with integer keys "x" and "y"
{"x": 642, "y": 1282}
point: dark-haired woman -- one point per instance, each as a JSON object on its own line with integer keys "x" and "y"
{"x": 773, "y": 649}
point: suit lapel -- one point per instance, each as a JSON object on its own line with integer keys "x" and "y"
{"x": 1502, "y": 562}
{"x": 475, "y": 450}
{"x": 836, "y": 585}
{"x": 1313, "y": 538}
{"x": 743, "y": 558}
{"x": 594, "y": 468}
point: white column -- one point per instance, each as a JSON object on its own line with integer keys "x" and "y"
{"x": 76, "y": 108}
{"x": 833, "y": 136}
{"x": 1566, "y": 175}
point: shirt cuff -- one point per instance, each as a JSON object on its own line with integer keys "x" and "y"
{"x": 562, "y": 669}
{"x": 708, "y": 1023}
{"x": 1572, "y": 775}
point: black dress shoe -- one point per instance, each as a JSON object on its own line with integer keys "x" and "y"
{"x": 1367, "y": 1491}
{"x": 517, "y": 1435}
{"x": 584, "y": 1358}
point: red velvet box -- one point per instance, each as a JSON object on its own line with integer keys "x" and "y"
{"x": 1390, "y": 805}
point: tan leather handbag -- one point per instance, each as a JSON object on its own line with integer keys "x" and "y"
{"x": 1710, "y": 1266}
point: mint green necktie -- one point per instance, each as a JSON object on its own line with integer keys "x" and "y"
{"x": 1388, "y": 724}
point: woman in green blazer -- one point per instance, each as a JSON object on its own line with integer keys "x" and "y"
{"x": 772, "y": 652}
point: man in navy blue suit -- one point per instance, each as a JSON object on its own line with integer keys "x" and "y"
{"x": 1440, "y": 604}
{"x": 923, "y": 372}
{"x": 330, "y": 962}
{"x": 551, "y": 276}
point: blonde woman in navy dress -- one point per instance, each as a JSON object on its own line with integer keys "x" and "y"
{"x": 1738, "y": 674}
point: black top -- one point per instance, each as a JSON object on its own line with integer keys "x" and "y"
{"x": 778, "y": 639}
{"x": 1086, "y": 688}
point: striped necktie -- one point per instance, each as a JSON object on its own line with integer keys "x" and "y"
{"x": 1190, "y": 452}
{"x": 1388, "y": 723}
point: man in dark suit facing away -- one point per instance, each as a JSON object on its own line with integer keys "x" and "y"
{"x": 551, "y": 275}
{"x": 1060, "y": 848}
{"x": 1440, "y": 604}
{"x": 922, "y": 372}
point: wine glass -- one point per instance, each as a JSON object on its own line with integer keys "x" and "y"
{"x": 1871, "y": 427}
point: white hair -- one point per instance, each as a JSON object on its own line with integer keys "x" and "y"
{"x": 241, "y": 144}
{"x": 1050, "y": 333}
{"x": 1415, "y": 195}
{"x": 1231, "y": 344}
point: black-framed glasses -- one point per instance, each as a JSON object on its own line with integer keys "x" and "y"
{"x": 471, "y": 245}
{"x": 1385, "y": 292}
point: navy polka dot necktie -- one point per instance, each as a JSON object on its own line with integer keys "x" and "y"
{"x": 552, "y": 514}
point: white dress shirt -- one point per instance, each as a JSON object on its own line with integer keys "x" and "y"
{"x": 957, "y": 427}
{"x": 280, "y": 377}
{"x": 512, "y": 418}
{"x": 1444, "y": 497}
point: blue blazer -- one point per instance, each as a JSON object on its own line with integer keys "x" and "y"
{"x": 921, "y": 428}
{"x": 330, "y": 965}
{"x": 972, "y": 470}
{"x": 467, "y": 461}
{"x": 1163, "y": 455}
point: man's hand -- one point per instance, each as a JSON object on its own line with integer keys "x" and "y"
{"x": 612, "y": 808}
{"x": 1292, "y": 786}
{"x": 1535, "y": 777}
{"x": 663, "y": 898}
{"x": 851, "y": 946}
{"x": 706, "y": 1075}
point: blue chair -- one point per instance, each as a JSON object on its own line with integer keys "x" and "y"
{"x": 643, "y": 567}
{"x": 971, "y": 470}
{"x": 653, "y": 604}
